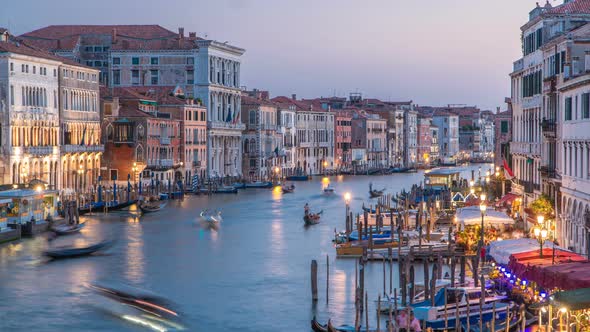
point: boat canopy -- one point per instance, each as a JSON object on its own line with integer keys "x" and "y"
{"x": 576, "y": 299}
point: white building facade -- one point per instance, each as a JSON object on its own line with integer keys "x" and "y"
{"x": 29, "y": 121}
{"x": 315, "y": 137}
{"x": 217, "y": 84}
{"x": 411, "y": 138}
{"x": 448, "y": 134}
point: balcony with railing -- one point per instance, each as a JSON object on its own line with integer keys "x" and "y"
{"x": 226, "y": 125}
{"x": 39, "y": 150}
{"x": 548, "y": 172}
{"x": 549, "y": 128}
{"x": 75, "y": 148}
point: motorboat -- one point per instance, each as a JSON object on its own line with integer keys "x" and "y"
{"x": 439, "y": 312}
{"x": 390, "y": 301}
{"x": 298, "y": 178}
{"x": 210, "y": 217}
{"x": 328, "y": 191}
{"x": 67, "y": 229}
{"x": 239, "y": 185}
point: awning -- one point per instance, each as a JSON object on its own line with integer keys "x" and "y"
{"x": 576, "y": 299}
{"x": 472, "y": 216}
{"x": 501, "y": 250}
{"x": 507, "y": 199}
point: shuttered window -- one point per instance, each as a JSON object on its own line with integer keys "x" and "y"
{"x": 568, "y": 108}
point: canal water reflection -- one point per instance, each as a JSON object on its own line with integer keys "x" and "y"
{"x": 252, "y": 273}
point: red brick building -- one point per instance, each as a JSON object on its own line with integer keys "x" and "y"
{"x": 140, "y": 141}
{"x": 343, "y": 140}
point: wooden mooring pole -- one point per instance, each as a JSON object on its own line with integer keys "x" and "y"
{"x": 314, "y": 280}
{"x": 327, "y": 278}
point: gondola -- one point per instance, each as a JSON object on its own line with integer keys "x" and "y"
{"x": 312, "y": 218}
{"x": 67, "y": 229}
{"x": 70, "y": 252}
{"x": 287, "y": 190}
{"x": 110, "y": 207}
{"x": 317, "y": 327}
{"x": 149, "y": 209}
{"x": 267, "y": 184}
{"x": 375, "y": 193}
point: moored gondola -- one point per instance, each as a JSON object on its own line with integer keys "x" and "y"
{"x": 148, "y": 208}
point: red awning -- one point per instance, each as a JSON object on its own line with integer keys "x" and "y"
{"x": 507, "y": 199}
{"x": 530, "y": 266}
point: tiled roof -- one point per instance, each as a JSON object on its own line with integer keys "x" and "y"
{"x": 24, "y": 48}
{"x": 130, "y": 111}
{"x": 285, "y": 102}
{"x": 572, "y": 7}
{"x": 133, "y": 37}
{"x": 132, "y": 31}
{"x": 246, "y": 100}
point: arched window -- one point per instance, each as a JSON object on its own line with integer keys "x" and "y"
{"x": 139, "y": 154}
{"x": 140, "y": 132}
{"x": 246, "y": 147}
{"x": 109, "y": 133}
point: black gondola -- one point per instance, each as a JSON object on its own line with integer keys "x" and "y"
{"x": 100, "y": 207}
{"x": 70, "y": 252}
{"x": 67, "y": 229}
{"x": 317, "y": 327}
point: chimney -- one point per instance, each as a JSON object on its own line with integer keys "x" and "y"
{"x": 294, "y": 96}
{"x": 192, "y": 35}
{"x": 114, "y": 36}
{"x": 180, "y": 33}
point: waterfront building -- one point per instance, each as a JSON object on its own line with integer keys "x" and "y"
{"x": 503, "y": 134}
{"x": 343, "y": 139}
{"x": 369, "y": 132}
{"x": 410, "y": 137}
{"x": 288, "y": 130}
{"x": 448, "y": 134}
{"x": 315, "y": 135}
{"x": 396, "y": 138}
{"x": 434, "y": 146}
{"x": 193, "y": 130}
{"x": 79, "y": 118}
{"x": 141, "y": 143}
{"x": 424, "y": 147}
{"x": 534, "y": 97}
{"x": 30, "y": 97}
{"x": 218, "y": 86}
{"x": 487, "y": 134}
{"x": 150, "y": 55}
{"x": 263, "y": 145}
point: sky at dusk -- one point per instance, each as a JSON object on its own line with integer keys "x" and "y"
{"x": 433, "y": 52}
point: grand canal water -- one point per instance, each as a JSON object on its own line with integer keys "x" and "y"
{"x": 251, "y": 274}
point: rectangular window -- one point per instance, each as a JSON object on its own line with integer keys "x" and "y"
{"x": 105, "y": 64}
{"x": 585, "y": 105}
{"x": 568, "y": 109}
{"x": 12, "y": 95}
{"x": 190, "y": 61}
{"x": 504, "y": 127}
{"x": 134, "y": 61}
{"x": 97, "y": 63}
{"x": 135, "y": 77}
{"x": 22, "y": 69}
{"x": 97, "y": 48}
{"x": 34, "y": 69}
{"x": 202, "y": 116}
{"x": 154, "y": 61}
{"x": 89, "y": 63}
{"x": 116, "y": 77}
{"x": 190, "y": 77}
{"x": 154, "y": 74}
{"x": 88, "y": 48}
{"x": 105, "y": 48}
{"x": 11, "y": 66}
{"x": 55, "y": 73}
{"x": 117, "y": 61}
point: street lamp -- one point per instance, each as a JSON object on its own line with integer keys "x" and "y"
{"x": 347, "y": 198}
{"x": 471, "y": 183}
{"x": 540, "y": 233}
